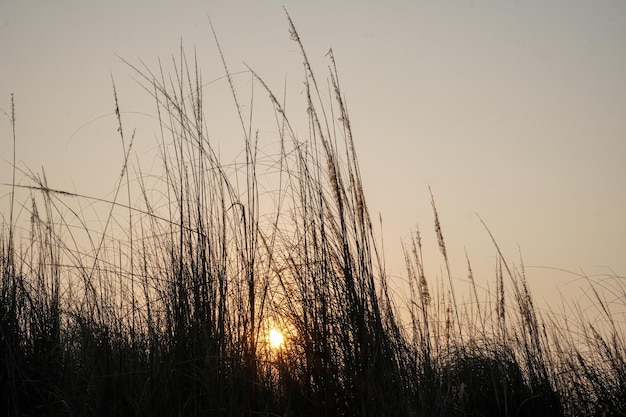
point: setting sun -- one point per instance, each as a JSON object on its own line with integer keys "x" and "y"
{"x": 276, "y": 339}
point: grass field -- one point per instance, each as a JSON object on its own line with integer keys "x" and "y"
{"x": 165, "y": 306}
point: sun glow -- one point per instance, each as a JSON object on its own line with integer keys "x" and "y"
{"x": 276, "y": 339}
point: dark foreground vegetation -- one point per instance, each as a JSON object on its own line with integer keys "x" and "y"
{"x": 163, "y": 307}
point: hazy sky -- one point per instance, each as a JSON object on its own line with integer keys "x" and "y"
{"x": 512, "y": 110}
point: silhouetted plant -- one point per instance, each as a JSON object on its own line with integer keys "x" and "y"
{"x": 164, "y": 309}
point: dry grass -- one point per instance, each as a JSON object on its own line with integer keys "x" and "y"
{"x": 166, "y": 308}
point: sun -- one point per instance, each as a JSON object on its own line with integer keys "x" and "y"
{"x": 276, "y": 339}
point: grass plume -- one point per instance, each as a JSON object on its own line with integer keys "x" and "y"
{"x": 164, "y": 306}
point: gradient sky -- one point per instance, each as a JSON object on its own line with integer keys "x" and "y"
{"x": 512, "y": 110}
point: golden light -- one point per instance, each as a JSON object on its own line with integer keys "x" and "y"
{"x": 276, "y": 339}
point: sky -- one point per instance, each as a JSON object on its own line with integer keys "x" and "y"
{"x": 511, "y": 111}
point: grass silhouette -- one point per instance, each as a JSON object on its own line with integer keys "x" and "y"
{"x": 166, "y": 309}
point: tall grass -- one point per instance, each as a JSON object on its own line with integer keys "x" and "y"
{"x": 164, "y": 306}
